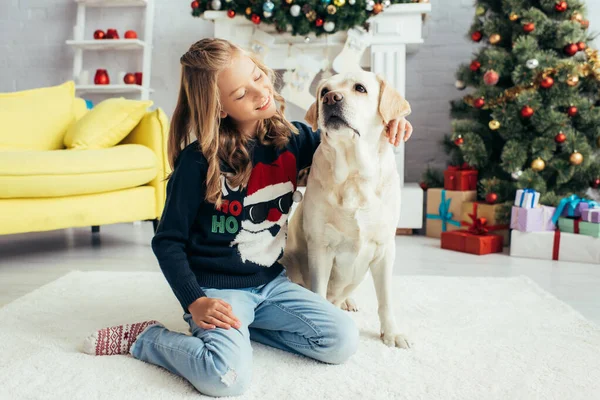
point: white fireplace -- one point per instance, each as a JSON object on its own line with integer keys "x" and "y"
{"x": 396, "y": 32}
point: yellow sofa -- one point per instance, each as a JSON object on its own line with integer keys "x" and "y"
{"x": 47, "y": 186}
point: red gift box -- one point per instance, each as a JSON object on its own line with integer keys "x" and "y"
{"x": 467, "y": 242}
{"x": 460, "y": 178}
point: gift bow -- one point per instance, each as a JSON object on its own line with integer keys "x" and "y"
{"x": 444, "y": 214}
{"x": 479, "y": 226}
{"x": 571, "y": 202}
{"x": 523, "y": 193}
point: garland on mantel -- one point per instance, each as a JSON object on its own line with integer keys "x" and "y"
{"x": 301, "y": 16}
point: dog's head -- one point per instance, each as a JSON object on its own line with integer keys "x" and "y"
{"x": 355, "y": 104}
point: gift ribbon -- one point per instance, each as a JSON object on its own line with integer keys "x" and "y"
{"x": 478, "y": 226}
{"x": 444, "y": 214}
{"x": 523, "y": 193}
{"x": 556, "y": 246}
{"x": 576, "y": 225}
{"x": 571, "y": 202}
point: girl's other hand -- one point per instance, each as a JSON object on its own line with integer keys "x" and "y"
{"x": 398, "y": 129}
{"x": 209, "y": 313}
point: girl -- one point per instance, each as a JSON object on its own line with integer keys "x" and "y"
{"x": 224, "y": 228}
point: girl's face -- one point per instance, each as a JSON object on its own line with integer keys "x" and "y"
{"x": 246, "y": 94}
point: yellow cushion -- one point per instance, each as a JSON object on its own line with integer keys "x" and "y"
{"x": 106, "y": 124}
{"x": 28, "y": 174}
{"x": 79, "y": 108}
{"x": 36, "y": 119}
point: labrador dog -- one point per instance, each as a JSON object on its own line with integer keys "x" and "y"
{"x": 346, "y": 223}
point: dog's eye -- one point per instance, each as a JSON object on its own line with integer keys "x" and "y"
{"x": 360, "y": 88}
{"x": 324, "y": 91}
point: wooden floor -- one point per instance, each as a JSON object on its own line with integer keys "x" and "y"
{"x": 28, "y": 261}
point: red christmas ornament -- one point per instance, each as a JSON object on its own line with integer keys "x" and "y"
{"x": 112, "y": 34}
{"x": 581, "y": 46}
{"x": 571, "y": 49}
{"x": 459, "y": 141}
{"x": 527, "y": 112}
{"x": 560, "y": 138}
{"x": 319, "y": 22}
{"x": 475, "y": 65}
{"x": 131, "y": 35}
{"x": 491, "y": 77}
{"x": 479, "y": 103}
{"x": 101, "y": 77}
{"x": 423, "y": 186}
{"x": 129, "y": 79}
{"x": 529, "y": 27}
{"x": 572, "y": 111}
{"x": 596, "y": 183}
{"x": 547, "y": 82}
{"x": 491, "y": 198}
{"x": 195, "y": 4}
{"x": 256, "y": 18}
{"x": 561, "y": 6}
{"x": 231, "y": 13}
{"x": 476, "y": 36}
{"x": 99, "y": 34}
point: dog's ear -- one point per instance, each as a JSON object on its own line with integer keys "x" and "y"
{"x": 312, "y": 115}
{"x": 391, "y": 103}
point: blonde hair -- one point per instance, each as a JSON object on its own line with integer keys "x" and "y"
{"x": 197, "y": 115}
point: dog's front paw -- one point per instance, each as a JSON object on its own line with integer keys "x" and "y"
{"x": 349, "y": 305}
{"x": 395, "y": 340}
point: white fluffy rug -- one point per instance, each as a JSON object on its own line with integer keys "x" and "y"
{"x": 473, "y": 338}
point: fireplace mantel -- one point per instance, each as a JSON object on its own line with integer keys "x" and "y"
{"x": 396, "y": 32}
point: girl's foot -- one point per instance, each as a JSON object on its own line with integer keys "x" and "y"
{"x": 116, "y": 339}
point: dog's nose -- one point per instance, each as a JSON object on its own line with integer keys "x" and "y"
{"x": 332, "y": 97}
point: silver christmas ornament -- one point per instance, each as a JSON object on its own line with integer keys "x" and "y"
{"x": 460, "y": 85}
{"x": 329, "y": 26}
{"x": 307, "y": 39}
{"x": 351, "y": 2}
{"x": 370, "y": 5}
{"x": 295, "y": 10}
{"x": 269, "y": 6}
{"x": 297, "y": 196}
{"x": 533, "y": 63}
{"x": 517, "y": 174}
{"x": 267, "y": 14}
{"x": 386, "y": 3}
{"x": 215, "y": 4}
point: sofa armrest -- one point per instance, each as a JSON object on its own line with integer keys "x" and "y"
{"x": 152, "y": 132}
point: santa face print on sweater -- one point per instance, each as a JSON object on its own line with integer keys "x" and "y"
{"x": 266, "y": 206}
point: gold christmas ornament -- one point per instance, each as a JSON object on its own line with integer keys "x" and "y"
{"x": 339, "y": 3}
{"x": 248, "y": 11}
{"x": 576, "y": 158}
{"x": 494, "y": 125}
{"x": 572, "y": 80}
{"x": 495, "y": 38}
{"x": 311, "y": 15}
{"x": 577, "y": 17}
{"x": 513, "y": 17}
{"x": 480, "y": 11}
{"x": 331, "y": 9}
{"x": 538, "y": 165}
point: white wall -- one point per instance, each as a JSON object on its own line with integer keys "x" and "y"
{"x": 33, "y": 54}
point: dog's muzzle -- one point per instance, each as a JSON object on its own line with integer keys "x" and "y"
{"x": 333, "y": 111}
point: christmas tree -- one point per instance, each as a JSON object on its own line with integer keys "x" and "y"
{"x": 532, "y": 116}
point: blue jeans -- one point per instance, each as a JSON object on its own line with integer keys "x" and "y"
{"x": 281, "y": 314}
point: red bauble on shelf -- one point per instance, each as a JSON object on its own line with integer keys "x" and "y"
{"x": 99, "y": 34}
{"x": 571, "y": 49}
{"x": 529, "y": 27}
{"x": 131, "y": 35}
{"x": 129, "y": 79}
{"x": 476, "y": 36}
{"x": 479, "y": 103}
{"x": 527, "y": 112}
{"x": 101, "y": 77}
{"x": 560, "y": 138}
{"x": 491, "y": 198}
{"x": 475, "y": 65}
{"x": 138, "y": 78}
{"x": 561, "y": 6}
{"x": 112, "y": 34}
{"x": 547, "y": 82}
{"x": 572, "y": 111}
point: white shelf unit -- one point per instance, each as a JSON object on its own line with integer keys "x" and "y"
{"x": 79, "y": 44}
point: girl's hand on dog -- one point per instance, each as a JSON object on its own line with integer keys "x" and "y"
{"x": 398, "y": 129}
{"x": 209, "y": 313}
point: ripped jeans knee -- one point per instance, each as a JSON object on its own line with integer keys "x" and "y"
{"x": 221, "y": 377}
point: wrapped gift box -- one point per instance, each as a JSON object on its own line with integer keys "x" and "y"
{"x": 573, "y": 206}
{"x": 591, "y": 215}
{"x": 487, "y": 211}
{"x": 467, "y": 242}
{"x": 444, "y": 209}
{"x": 576, "y": 225}
{"x": 527, "y": 198}
{"x": 536, "y": 219}
{"x": 589, "y": 229}
{"x": 460, "y": 178}
{"x": 555, "y": 246}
